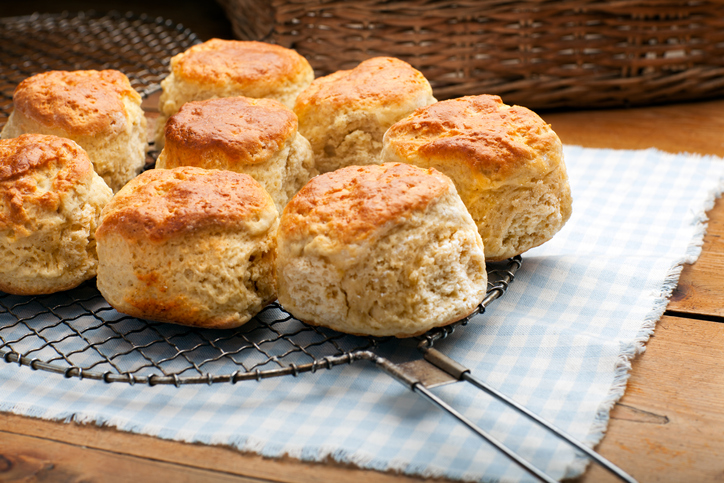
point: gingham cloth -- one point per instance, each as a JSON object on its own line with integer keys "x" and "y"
{"x": 559, "y": 341}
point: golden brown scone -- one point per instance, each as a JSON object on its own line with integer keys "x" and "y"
{"x": 345, "y": 114}
{"x": 506, "y": 162}
{"x": 50, "y": 204}
{"x": 230, "y": 68}
{"x": 383, "y": 250}
{"x": 254, "y": 136}
{"x": 189, "y": 246}
{"x": 99, "y": 110}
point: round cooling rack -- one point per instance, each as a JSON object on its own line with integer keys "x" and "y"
{"x": 76, "y": 333}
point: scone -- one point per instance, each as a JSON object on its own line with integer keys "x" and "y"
{"x": 382, "y": 250}
{"x": 506, "y": 162}
{"x": 189, "y": 246}
{"x": 50, "y": 204}
{"x": 99, "y": 110}
{"x": 345, "y": 114}
{"x": 230, "y": 68}
{"x": 254, "y": 136}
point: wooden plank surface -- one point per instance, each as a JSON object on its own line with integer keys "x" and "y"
{"x": 694, "y": 127}
{"x": 701, "y": 285}
{"x": 668, "y": 427}
{"x": 33, "y": 459}
{"x": 35, "y": 444}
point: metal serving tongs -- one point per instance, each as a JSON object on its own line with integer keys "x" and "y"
{"x": 418, "y": 378}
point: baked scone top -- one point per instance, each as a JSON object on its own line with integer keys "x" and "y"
{"x": 36, "y": 170}
{"x": 21, "y": 155}
{"x": 160, "y": 204}
{"x": 243, "y": 62}
{"x": 248, "y": 130}
{"x": 502, "y": 143}
{"x": 351, "y": 203}
{"x": 378, "y": 81}
{"x": 82, "y": 102}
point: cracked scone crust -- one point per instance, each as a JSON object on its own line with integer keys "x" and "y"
{"x": 254, "y": 136}
{"x": 505, "y": 161}
{"x": 99, "y": 110}
{"x": 344, "y": 115}
{"x": 50, "y": 205}
{"x": 229, "y": 68}
{"x": 383, "y": 250}
{"x": 189, "y": 246}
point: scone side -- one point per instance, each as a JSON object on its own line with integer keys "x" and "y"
{"x": 512, "y": 179}
{"x": 210, "y": 280}
{"x": 48, "y": 217}
{"x": 412, "y": 274}
{"x": 345, "y": 114}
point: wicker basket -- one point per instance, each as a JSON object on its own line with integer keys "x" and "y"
{"x": 541, "y": 54}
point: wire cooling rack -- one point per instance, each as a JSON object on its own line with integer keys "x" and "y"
{"x": 76, "y": 333}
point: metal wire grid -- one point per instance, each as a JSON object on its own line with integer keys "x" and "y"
{"x": 76, "y": 333}
{"x": 137, "y": 45}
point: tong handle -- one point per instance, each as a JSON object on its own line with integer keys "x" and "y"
{"x": 459, "y": 372}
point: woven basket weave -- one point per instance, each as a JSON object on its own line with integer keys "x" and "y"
{"x": 541, "y": 54}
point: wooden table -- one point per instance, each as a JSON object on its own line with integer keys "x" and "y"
{"x": 669, "y": 426}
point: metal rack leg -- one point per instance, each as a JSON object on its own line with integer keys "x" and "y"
{"x": 456, "y": 370}
{"x": 420, "y": 389}
{"x": 416, "y": 386}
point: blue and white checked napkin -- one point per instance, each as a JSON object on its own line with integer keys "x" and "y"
{"x": 559, "y": 341}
